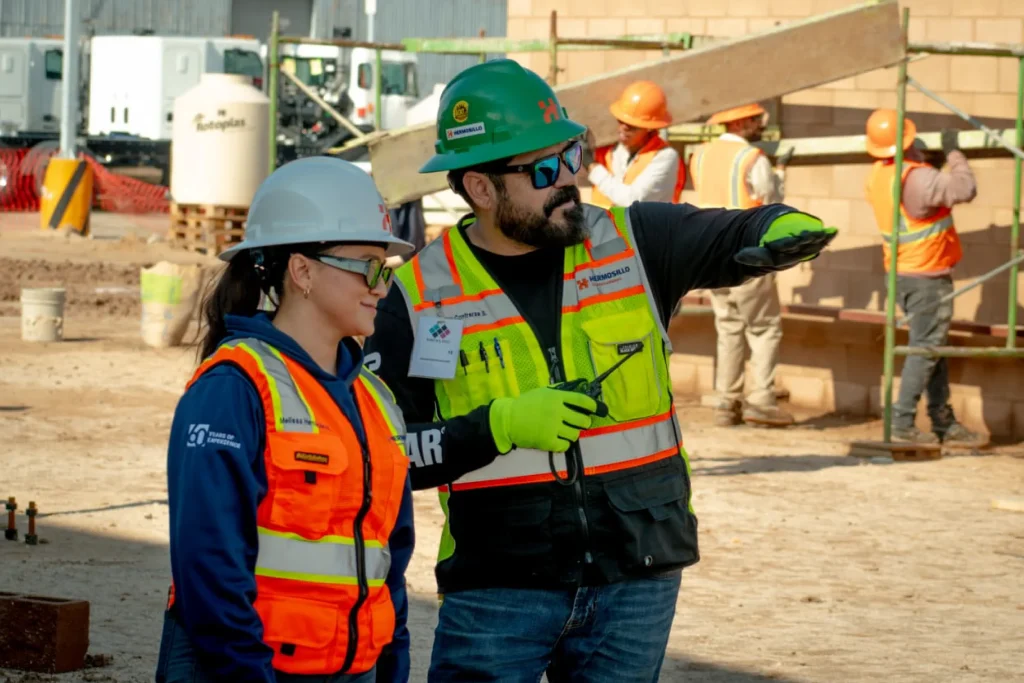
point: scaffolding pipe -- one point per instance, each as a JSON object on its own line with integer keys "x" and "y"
{"x": 553, "y": 48}
{"x": 272, "y": 71}
{"x": 894, "y": 234}
{"x": 969, "y": 49}
{"x": 959, "y": 351}
{"x": 1011, "y": 309}
{"x": 1009, "y": 265}
{"x": 992, "y": 135}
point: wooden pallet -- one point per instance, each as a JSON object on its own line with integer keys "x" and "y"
{"x": 896, "y": 451}
{"x": 206, "y": 228}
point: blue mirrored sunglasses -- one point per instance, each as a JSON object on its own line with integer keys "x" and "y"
{"x": 544, "y": 171}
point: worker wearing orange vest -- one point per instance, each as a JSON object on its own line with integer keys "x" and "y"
{"x": 730, "y": 172}
{"x": 928, "y": 249}
{"x": 290, "y": 504}
{"x": 642, "y": 166}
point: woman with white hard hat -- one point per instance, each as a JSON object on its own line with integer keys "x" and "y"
{"x": 290, "y": 507}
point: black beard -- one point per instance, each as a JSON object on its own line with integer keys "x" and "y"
{"x": 537, "y": 230}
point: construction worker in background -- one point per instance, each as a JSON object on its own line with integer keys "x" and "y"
{"x": 290, "y": 508}
{"x": 929, "y": 249}
{"x": 730, "y": 172}
{"x": 642, "y": 167}
{"x": 567, "y": 507}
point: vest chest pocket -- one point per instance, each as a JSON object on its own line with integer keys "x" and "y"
{"x": 480, "y": 382}
{"x": 305, "y": 477}
{"x": 634, "y": 390}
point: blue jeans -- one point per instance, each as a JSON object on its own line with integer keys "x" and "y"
{"x": 603, "y": 634}
{"x": 928, "y": 327}
{"x": 178, "y": 663}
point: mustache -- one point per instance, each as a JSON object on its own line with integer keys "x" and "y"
{"x": 561, "y": 196}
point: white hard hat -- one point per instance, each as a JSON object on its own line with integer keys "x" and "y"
{"x": 318, "y": 199}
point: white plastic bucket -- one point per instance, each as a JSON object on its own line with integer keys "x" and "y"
{"x": 42, "y": 314}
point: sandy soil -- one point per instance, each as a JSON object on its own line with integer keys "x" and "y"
{"x": 816, "y": 566}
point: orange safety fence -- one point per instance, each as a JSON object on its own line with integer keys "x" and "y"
{"x": 21, "y": 176}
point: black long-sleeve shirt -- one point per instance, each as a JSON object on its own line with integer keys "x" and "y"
{"x": 681, "y": 247}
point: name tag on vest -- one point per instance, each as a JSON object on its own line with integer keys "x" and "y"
{"x": 435, "y": 352}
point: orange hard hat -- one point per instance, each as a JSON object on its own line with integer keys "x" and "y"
{"x": 881, "y": 133}
{"x": 642, "y": 105}
{"x": 739, "y": 113}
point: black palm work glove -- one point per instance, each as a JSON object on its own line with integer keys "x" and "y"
{"x": 950, "y": 140}
{"x": 790, "y": 239}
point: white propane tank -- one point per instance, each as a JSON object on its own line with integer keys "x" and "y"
{"x": 219, "y": 143}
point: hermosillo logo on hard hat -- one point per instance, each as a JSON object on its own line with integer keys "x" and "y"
{"x": 460, "y": 112}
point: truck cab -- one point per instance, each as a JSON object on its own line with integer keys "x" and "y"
{"x": 31, "y": 85}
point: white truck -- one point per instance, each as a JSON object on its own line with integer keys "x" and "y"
{"x": 133, "y": 80}
{"x": 30, "y": 84}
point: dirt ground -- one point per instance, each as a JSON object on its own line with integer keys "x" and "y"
{"x": 816, "y": 566}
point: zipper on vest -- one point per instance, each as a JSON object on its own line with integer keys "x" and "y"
{"x": 360, "y": 547}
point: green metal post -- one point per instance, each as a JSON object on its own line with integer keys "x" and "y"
{"x": 553, "y": 48}
{"x": 378, "y": 85}
{"x": 1011, "y": 309}
{"x": 889, "y": 360}
{"x": 272, "y": 67}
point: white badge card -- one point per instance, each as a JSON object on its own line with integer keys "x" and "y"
{"x": 435, "y": 353}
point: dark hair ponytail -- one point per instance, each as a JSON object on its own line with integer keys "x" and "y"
{"x": 235, "y": 292}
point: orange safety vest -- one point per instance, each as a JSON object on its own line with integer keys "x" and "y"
{"x": 636, "y": 166}
{"x": 720, "y": 170}
{"x": 325, "y": 521}
{"x": 926, "y": 245}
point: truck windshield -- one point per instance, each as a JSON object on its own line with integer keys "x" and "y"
{"x": 313, "y": 71}
{"x": 397, "y": 78}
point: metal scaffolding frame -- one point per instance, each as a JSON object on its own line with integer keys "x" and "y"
{"x": 481, "y": 46}
{"x": 1016, "y": 256}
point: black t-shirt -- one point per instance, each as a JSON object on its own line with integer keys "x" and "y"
{"x": 682, "y": 248}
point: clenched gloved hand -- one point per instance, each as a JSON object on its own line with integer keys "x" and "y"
{"x": 790, "y": 239}
{"x": 546, "y": 419}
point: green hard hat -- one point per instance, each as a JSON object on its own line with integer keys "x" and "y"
{"x": 496, "y": 110}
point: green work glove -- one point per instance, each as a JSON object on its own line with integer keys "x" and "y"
{"x": 790, "y": 239}
{"x": 546, "y": 419}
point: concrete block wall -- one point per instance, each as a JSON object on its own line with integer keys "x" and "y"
{"x": 851, "y": 275}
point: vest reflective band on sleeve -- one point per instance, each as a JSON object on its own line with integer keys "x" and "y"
{"x": 332, "y": 559}
{"x": 923, "y": 232}
{"x": 291, "y": 411}
{"x": 605, "y": 449}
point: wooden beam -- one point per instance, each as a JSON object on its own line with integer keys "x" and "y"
{"x": 800, "y": 55}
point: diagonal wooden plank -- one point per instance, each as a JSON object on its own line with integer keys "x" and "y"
{"x": 797, "y": 56}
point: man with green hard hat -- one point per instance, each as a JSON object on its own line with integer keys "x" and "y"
{"x": 529, "y": 352}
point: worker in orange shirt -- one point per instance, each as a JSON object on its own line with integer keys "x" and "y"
{"x": 642, "y": 167}
{"x": 929, "y": 249}
{"x": 731, "y": 172}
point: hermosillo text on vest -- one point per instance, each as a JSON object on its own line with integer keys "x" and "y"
{"x": 325, "y": 521}
{"x": 607, "y": 312}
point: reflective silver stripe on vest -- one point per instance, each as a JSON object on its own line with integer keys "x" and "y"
{"x": 924, "y": 233}
{"x": 324, "y": 561}
{"x": 600, "y": 450}
{"x": 651, "y": 303}
{"x": 386, "y": 401}
{"x": 294, "y": 415}
{"x": 611, "y": 278}
{"x": 484, "y": 311}
{"x": 437, "y": 278}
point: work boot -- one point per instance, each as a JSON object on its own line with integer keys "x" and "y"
{"x": 912, "y": 434}
{"x": 958, "y": 436}
{"x": 769, "y": 416}
{"x": 727, "y": 413}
